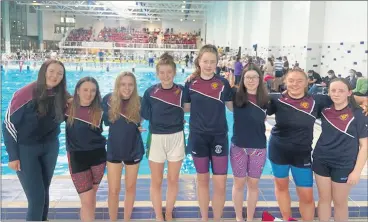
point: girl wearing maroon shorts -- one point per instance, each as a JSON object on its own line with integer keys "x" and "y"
{"x": 86, "y": 144}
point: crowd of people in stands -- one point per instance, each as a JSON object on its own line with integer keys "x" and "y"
{"x": 274, "y": 70}
{"x": 78, "y": 35}
{"x": 125, "y": 35}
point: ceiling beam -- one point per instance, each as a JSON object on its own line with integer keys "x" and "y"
{"x": 99, "y": 6}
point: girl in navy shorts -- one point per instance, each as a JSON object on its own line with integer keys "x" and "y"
{"x": 291, "y": 139}
{"x": 124, "y": 145}
{"x": 86, "y": 144}
{"x": 206, "y": 96}
{"x": 248, "y": 148}
{"x": 341, "y": 151}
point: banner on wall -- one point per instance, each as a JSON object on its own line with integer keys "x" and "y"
{"x": 105, "y": 45}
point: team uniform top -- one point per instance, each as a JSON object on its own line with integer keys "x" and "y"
{"x": 249, "y": 125}
{"x": 163, "y": 109}
{"x": 81, "y": 136}
{"x": 124, "y": 141}
{"x": 295, "y": 120}
{"x": 23, "y": 125}
{"x": 338, "y": 145}
{"x": 207, "y": 109}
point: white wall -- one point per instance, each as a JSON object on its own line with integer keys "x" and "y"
{"x": 144, "y": 24}
{"x": 346, "y": 23}
{"x": 49, "y": 20}
{"x": 184, "y": 26}
{"x": 32, "y": 23}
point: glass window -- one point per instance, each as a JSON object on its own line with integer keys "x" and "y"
{"x": 70, "y": 20}
{"x": 62, "y": 19}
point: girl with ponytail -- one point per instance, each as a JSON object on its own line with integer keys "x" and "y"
{"x": 162, "y": 106}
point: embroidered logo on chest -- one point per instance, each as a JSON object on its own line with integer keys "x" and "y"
{"x": 304, "y": 105}
{"x": 344, "y": 116}
{"x": 214, "y": 85}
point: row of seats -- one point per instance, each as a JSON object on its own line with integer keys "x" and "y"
{"x": 123, "y": 35}
{"x": 80, "y": 34}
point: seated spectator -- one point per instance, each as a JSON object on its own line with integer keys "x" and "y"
{"x": 361, "y": 85}
{"x": 323, "y": 87}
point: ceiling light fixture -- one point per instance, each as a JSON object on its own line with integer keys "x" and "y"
{"x": 181, "y": 20}
{"x": 47, "y": 6}
{"x": 193, "y": 20}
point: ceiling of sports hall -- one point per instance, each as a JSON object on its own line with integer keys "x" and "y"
{"x": 135, "y": 10}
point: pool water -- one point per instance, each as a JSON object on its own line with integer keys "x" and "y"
{"x": 12, "y": 80}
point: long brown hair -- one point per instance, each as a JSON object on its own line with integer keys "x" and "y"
{"x": 40, "y": 95}
{"x": 205, "y": 48}
{"x": 351, "y": 99}
{"x": 95, "y": 107}
{"x": 166, "y": 59}
{"x": 134, "y": 104}
{"x": 241, "y": 96}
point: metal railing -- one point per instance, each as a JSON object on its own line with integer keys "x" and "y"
{"x": 117, "y": 45}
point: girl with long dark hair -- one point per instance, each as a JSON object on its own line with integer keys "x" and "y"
{"x": 31, "y": 128}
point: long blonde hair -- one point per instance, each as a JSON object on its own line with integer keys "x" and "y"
{"x": 206, "y": 48}
{"x": 134, "y": 104}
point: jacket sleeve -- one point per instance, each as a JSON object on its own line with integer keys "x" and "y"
{"x": 146, "y": 106}
{"x": 105, "y": 109}
{"x": 10, "y": 126}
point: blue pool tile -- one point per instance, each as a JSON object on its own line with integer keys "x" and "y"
{"x": 295, "y": 214}
{"x": 359, "y": 198}
{"x": 186, "y": 214}
{"x": 257, "y": 214}
{"x": 358, "y": 191}
{"x": 101, "y": 198}
{"x": 363, "y": 214}
{"x": 189, "y": 209}
{"x": 107, "y": 217}
{"x": 64, "y": 210}
{"x": 3, "y": 216}
{"x": 102, "y": 192}
{"x": 141, "y": 215}
{"x": 354, "y": 213}
{"x": 268, "y": 191}
{"x": 143, "y": 209}
{"x": 100, "y": 210}
{"x": 15, "y": 210}
{"x": 15, "y": 216}
{"x": 210, "y": 214}
{"x": 99, "y": 216}
{"x": 269, "y": 198}
{"x": 67, "y": 216}
{"x": 229, "y": 215}
{"x": 266, "y": 185}
{"x": 142, "y": 198}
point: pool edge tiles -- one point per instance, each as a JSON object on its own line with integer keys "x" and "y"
{"x": 182, "y": 212}
{"x": 67, "y": 209}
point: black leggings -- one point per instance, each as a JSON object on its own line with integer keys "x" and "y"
{"x": 37, "y": 164}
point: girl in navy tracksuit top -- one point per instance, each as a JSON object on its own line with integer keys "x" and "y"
{"x": 31, "y": 128}
{"x": 124, "y": 145}
{"x": 341, "y": 151}
{"x": 86, "y": 144}
{"x": 162, "y": 107}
